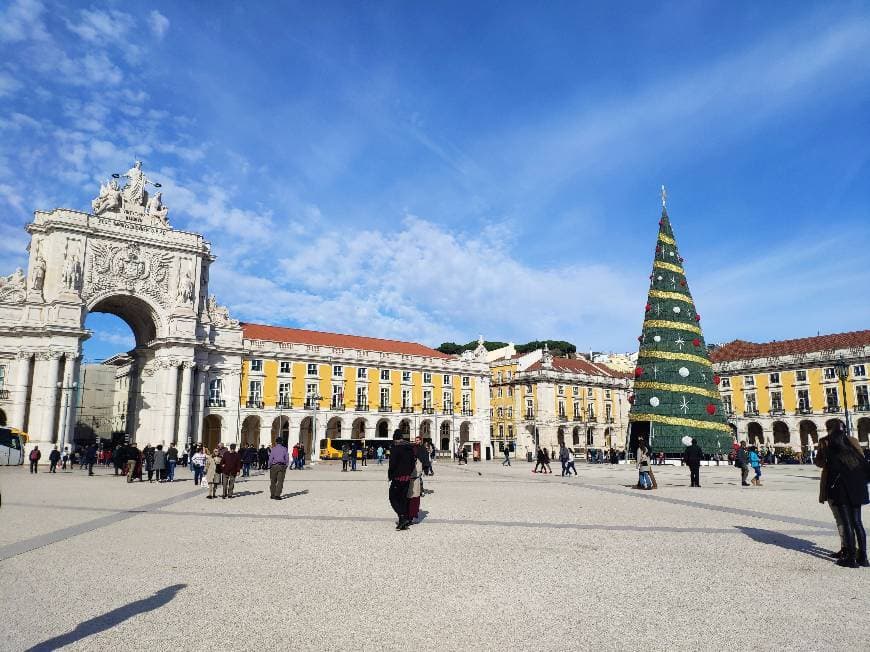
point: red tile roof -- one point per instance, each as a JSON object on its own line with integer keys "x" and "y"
{"x": 579, "y": 365}
{"x": 742, "y": 350}
{"x": 300, "y": 336}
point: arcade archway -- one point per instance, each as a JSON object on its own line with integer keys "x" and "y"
{"x": 250, "y": 432}
{"x": 280, "y": 427}
{"x": 358, "y": 428}
{"x": 444, "y": 435}
{"x": 211, "y": 431}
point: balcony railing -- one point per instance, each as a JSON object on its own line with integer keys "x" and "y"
{"x": 428, "y": 410}
{"x": 407, "y": 409}
{"x": 563, "y": 417}
{"x": 777, "y": 412}
{"x": 467, "y": 412}
{"x": 530, "y": 414}
{"x": 577, "y": 417}
{"x": 385, "y": 408}
{"x": 217, "y": 402}
{"x": 862, "y": 407}
{"x": 310, "y": 404}
{"x": 592, "y": 419}
{"x": 804, "y": 410}
{"x": 750, "y": 413}
{"x": 256, "y": 403}
{"x": 337, "y": 405}
{"x": 283, "y": 404}
{"x": 832, "y": 409}
{"x": 447, "y": 410}
{"x": 362, "y": 407}
{"x": 609, "y": 420}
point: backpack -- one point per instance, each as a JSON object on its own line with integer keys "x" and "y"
{"x": 34, "y": 455}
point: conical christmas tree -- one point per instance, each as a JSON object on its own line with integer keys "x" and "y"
{"x": 675, "y": 389}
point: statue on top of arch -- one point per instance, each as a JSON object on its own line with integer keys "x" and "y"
{"x": 133, "y": 197}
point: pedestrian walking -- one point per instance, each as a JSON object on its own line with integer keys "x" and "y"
{"x": 843, "y": 484}
{"x": 366, "y": 453}
{"x": 213, "y": 472}
{"x": 232, "y": 464}
{"x": 301, "y": 456}
{"x": 263, "y": 457}
{"x": 380, "y": 454}
{"x": 148, "y": 458}
{"x": 133, "y": 468}
{"x": 160, "y": 463}
{"x": 53, "y": 459}
{"x": 644, "y": 479}
{"x": 569, "y": 465}
{"x": 741, "y": 461}
{"x": 64, "y": 458}
{"x": 755, "y": 463}
{"x": 197, "y": 464}
{"x": 294, "y": 457}
{"x": 249, "y": 457}
{"x": 345, "y": 457}
{"x": 278, "y": 460}
{"x": 399, "y": 471}
{"x": 35, "y": 456}
{"x": 692, "y": 456}
{"x": 171, "y": 462}
{"x": 90, "y": 458}
{"x": 539, "y": 459}
{"x": 564, "y": 456}
{"x": 507, "y": 455}
{"x": 415, "y": 486}
{"x": 546, "y": 462}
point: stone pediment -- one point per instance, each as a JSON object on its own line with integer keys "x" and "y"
{"x": 133, "y": 202}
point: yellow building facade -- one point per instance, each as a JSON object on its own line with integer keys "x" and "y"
{"x": 307, "y": 386}
{"x": 790, "y": 393}
{"x": 537, "y": 398}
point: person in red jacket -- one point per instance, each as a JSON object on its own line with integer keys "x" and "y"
{"x": 35, "y": 456}
{"x": 231, "y": 464}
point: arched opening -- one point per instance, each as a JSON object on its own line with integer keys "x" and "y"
{"x": 333, "y": 428}
{"x": 608, "y": 438}
{"x": 383, "y": 429}
{"x": 863, "y": 429}
{"x": 211, "y": 431}
{"x": 2, "y": 418}
{"x": 306, "y": 435}
{"x": 809, "y": 434}
{"x": 781, "y": 435}
{"x": 637, "y": 431}
{"x": 755, "y": 433}
{"x": 280, "y": 428}
{"x": 358, "y": 428}
{"x": 464, "y": 432}
{"x": 575, "y": 436}
{"x": 426, "y": 430}
{"x": 560, "y": 435}
{"x": 830, "y": 424}
{"x": 590, "y": 436}
{"x": 250, "y": 431}
{"x": 405, "y": 427}
{"x": 445, "y": 436}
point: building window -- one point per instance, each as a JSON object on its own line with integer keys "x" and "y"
{"x": 255, "y": 390}
{"x": 830, "y": 374}
{"x": 510, "y": 431}
{"x": 501, "y": 431}
{"x": 831, "y": 399}
{"x": 590, "y": 437}
{"x": 385, "y": 375}
{"x": 859, "y": 371}
{"x": 406, "y": 376}
{"x": 256, "y": 365}
{"x": 466, "y": 403}
{"x": 749, "y": 381}
{"x": 446, "y": 379}
{"x": 726, "y": 382}
{"x": 800, "y": 376}
{"x": 510, "y": 391}
{"x": 726, "y": 404}
{"x": 285, "y": 367}
{"x": 427, "y": 399}
{"x": 466, "y": 381}
{"x": 561, "y": 409}
{"x": 803, "y": 397}
{"x": 606, "y": 393}
{"x": 498, "y": 377}
{"x": 591, "y": 394}
{"x": 215, "y": 389}
{"x": 362, "y": 398}
{"x": 510, "y": 411}
{"x": 499, "y": 392}
{"x": 509, "y": 375}
{"x": 284, "y": 394}
{"x": 608, "y": 412}
{"x": 500, "y": 412}
{"x": 310, "y": 393}
{"x": 776, "y": 401}
{"x": 774, "y": 378}
{"x": 312, "y": 369}
{"x": 528, "y": 389}
{"x": 530, "y": 409}
{"x": 591, "y": 412}
{"x": 362, "y": 373}
{"x": 751, "y": 405}
{"x": 575, "y": 390}
{"x": 385, "y": 397}
{"x": 576, "y": 409}
{"x": 427, "y": 377}
{"x": 863, "y": 401}
{"x": 561, "y": 390}
{"x": 338, "y": 397}
{"x": 337, "y": 370}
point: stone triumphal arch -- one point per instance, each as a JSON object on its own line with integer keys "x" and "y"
{"x": 123, "y": 258}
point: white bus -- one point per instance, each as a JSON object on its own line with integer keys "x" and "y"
{"x": 11, "y": 446}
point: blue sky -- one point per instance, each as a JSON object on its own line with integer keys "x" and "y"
{"x": 436, "y": 171}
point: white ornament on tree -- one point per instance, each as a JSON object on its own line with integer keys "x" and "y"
{"x": 676, "y": 310}
{"x": 654, "y": 401}
{"x": 684, "y": 372}
{"x": 657, "y": 338}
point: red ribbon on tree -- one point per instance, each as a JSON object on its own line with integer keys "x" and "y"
{"x": 638, "y": 372}
{"x": 716, "y": 379}
{"x": 697, "y": 317}
{"x": 648, "y": 307}
{"x": 711, "y": 409}
{"x": 696, "y": 342}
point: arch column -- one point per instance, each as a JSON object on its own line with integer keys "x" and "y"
{"x": 22, "y": 378}
{"x": 170, "y": 402}
{"x": 184, "y": 403}
{"x": 43, "y": 412}
{"x": 69, "y": 400}
{"x": 199, "y": 403}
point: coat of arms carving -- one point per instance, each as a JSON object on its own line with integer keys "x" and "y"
{"x": 130, "y": 268}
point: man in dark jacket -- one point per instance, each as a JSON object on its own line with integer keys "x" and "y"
{"x": 741, "y": 461}
{"x": 91, "y": 458}
{"x": 171, "y": 462}
{"x": 399, "y": 471}
{"x": 231, "y": 464}
{"x": 133, "y": 457}
{"x": 692, "y": 456}
{"x": 53, "y": 458}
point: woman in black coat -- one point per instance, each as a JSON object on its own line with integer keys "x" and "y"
{"x": 846, "y": 477}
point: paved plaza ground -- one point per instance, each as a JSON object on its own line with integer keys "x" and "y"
{"x": 502, "y": 560}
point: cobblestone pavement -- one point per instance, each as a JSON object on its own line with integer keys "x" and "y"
{"x": 503, "y": 559}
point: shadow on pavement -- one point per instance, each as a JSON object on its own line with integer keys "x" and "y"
{"x": 110, "y": 619}
{"x": 236, "y": 494}
{"x": 294, "y": 494}
{"x": 785, "y": 541}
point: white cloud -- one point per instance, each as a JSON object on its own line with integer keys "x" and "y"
{"x": 102, "y": 25}
{"x": 8, "y": 84}
{"x": 21, "y": 21}
{"x": 158, "y": 23}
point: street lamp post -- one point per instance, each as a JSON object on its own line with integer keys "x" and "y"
{"x": 843, "y": 373}
{"x": 314, "y": 399}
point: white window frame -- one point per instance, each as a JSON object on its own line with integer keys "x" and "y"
{"x": 284, "y": 391}
{"x": 726, "y": 382}
{"x": 859, "y": 370}
{"x": 406, "y": 376}
{"x": 466, "y": 381}
{"x": 773, "y": 378}
{"x": 749, "y": 381}
{"x": 285, "y": 367}
{"x": 337, "y": 371}
{"x": 797, "y": 375}
{"x": 445, "y": 379}
{"x": 308, "y": 369}
{"x": 215, "y": 389}
{"x": 257, "y": 364}
{"x": 427, "y": 377}
{"x": 385, "y": 375}
{"x": 829, "y": 373}
{"x": 362, "y": 373}
{"x": 385, "y": 392}
{"x": 255, "y": 395}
